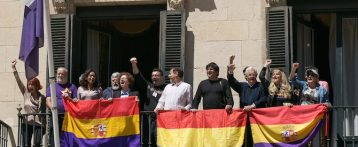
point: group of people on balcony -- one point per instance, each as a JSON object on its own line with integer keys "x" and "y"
{"x": 155, "y": 95}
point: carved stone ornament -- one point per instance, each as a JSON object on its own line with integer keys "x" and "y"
{"x": 176, "y": 4}
{"x": 60, "y": 5}
{"x": 276, "y": 3}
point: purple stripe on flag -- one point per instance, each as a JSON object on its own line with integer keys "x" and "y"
{"x": 32, "y": 38}
{"x": 70, "y": 140}
{"x": 297, "y": 143}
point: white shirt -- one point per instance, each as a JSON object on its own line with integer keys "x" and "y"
{"x": 124, "y": 93}
{"x": 176, "y": 96}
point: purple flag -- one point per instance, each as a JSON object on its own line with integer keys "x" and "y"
{"x": 32, "y": 37}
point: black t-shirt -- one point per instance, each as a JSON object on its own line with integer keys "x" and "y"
{"x": 215, "y": 94}
{"x": 149, "y": 94}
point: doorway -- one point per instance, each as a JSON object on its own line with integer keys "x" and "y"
{"x": 329, "y": 41}
{"x": 105, "y": 38}
{"x": 312, "y": 43}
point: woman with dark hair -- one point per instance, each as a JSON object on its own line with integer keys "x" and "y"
{"x": 89, "y": 88}
{"x": 34, "y": 102}
{"x": 126, "y": 82}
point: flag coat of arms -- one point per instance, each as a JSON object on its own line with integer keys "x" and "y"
{"x": 284, "y": 126}
{"x": 101, "y": 123}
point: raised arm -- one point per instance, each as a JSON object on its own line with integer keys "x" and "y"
{"x": 140, "y": 82}
{"x": 293, "y": 71}
{"x": 262, "y": 75}
{"x": 135, "y": 68}
{"x": 235, "y": 84}
{"x": 16, "y": 75}
{"x": 293, "y": 78}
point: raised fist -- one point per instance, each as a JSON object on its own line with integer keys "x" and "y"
{"x": 133, "y": 60}
{"x": 295, "y": 65}
{"x": 267, "y": 62}
{"x": 13, "y": 63}
{"x": 232, "y": 57}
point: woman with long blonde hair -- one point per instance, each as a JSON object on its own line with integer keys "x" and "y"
{"x": 279, "y": 89}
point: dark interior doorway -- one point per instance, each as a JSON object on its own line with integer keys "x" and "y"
{"x": 106, "y": 38}
{"x": 311, "y": 45}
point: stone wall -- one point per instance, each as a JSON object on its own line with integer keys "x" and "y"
{"x": 220, "y": 28}
{"x": 11, "y": 17}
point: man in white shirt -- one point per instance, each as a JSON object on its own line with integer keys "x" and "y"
{"x": 176, "y": 95}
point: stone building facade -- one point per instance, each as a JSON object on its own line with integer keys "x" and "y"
{"x": 112, "y": 31}
{"x": 215, "y": 29}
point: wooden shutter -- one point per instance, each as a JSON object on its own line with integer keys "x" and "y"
{"x": 172, "y": 40}
{"x": 279, "y": 36}
{"x": 60, "y": 29}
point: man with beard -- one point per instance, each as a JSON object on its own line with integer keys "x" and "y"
{"x": 177, "y": 95}
{"x": 113, "y": 91}
{"x": 215, "y": 91}
{"x": 251, "y": 94}
{"x": 150, "y": 93}
{"x": 63, "y": 89}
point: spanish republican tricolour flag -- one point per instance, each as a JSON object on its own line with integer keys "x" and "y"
{"x": 101, "y": 123}
{"x": 207, "y": 128}
{"x": 284, "y": 126}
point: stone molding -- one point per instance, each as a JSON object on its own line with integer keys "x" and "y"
{"x": 276, "y": 3}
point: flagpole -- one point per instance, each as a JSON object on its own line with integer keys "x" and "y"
{"x": 51, "y": 73}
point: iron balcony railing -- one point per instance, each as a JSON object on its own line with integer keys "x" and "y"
{"x": 342, "y": 128}
{"x": 6, "y": 135}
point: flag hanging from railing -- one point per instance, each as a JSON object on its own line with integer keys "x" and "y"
{"x": 101, "y": 123}
{"x": 204, "y": 128}
{"x": 32, "y": 37}
{"x": 284, "y": 126}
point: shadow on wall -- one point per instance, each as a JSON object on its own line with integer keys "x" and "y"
{"x": 202, "y": 5}
{"x": 189, "y": 59}
{"x": 190, "y": 6}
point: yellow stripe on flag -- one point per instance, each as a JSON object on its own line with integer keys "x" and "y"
{"x": 101, "y": 128}
{"x": 201, "y": 137}
{"x": 274, "y": 133}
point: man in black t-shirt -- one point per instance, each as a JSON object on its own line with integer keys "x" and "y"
{"x": 215, "y": 91}
{"x": 150, "y": 93}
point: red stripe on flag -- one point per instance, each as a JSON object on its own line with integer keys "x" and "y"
{"x": 286, "y": 115}
{"x": 91, "y": 109}
{"x": 200, "y": 119}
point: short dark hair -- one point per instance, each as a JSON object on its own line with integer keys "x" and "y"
{"x": 179, "y": 71}
{"x": 158, "y": 70}
{"x": 213, "y": 65}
